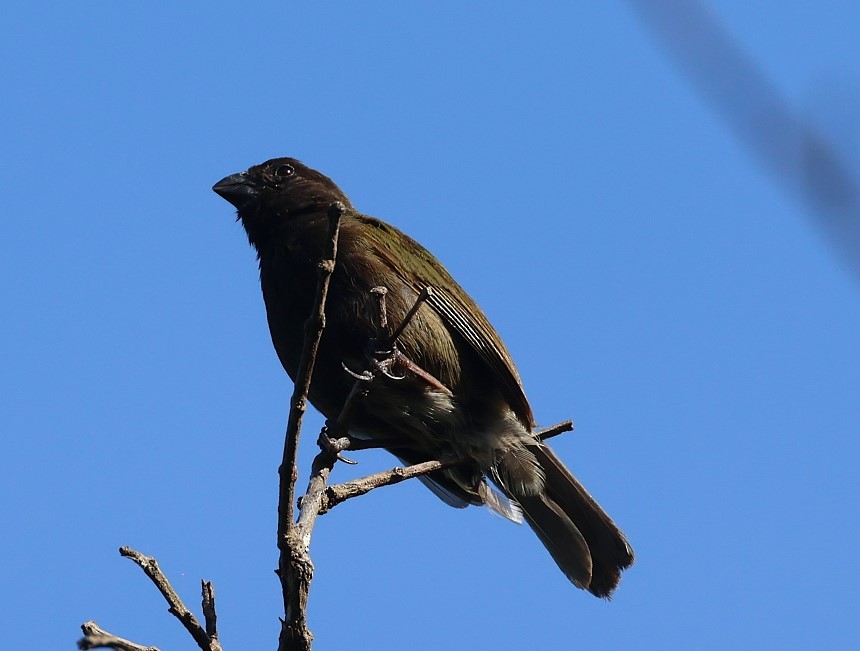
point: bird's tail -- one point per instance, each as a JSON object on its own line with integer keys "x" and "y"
{"x": 582, "y": 539}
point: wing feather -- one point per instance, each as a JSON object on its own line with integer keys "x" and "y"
{"x": 454, "y": 305}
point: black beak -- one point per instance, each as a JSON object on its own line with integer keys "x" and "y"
{"x": 239, "y": 189}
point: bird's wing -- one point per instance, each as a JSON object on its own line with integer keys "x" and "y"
{"x": 458, "y": 309}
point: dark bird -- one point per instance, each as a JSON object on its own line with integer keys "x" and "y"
{"x": 453, "y": 393}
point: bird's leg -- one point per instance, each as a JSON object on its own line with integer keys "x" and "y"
{"x": 384, "y": 357}
{"x": 402, "y": 361}
{"x": 340, "y": 428}
{"x": 384, "y": 351}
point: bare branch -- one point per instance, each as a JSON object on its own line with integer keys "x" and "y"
{"x": 426, "y": 293}
{"x": 314, "y": 327}
{"x": 209, "y": 614}
{"x": 96, "y": 637}
{"x": 312, "y": 499}
{"x": 555, "y": 430}
{"x": 295, "y": 634}
{"x": 176, "y": 606}
{"x": 338, "y": 493}
{"x": 294, "y": 564}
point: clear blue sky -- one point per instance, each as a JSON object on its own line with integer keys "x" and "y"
{"x": 650, "y": 279}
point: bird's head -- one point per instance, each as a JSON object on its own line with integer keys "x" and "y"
{"x": 268, "y": 195}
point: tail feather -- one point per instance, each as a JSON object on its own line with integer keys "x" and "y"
{"x": 560, "y": 536}
{"x": 582, "y": 539}
{"x": 566, "y": 519}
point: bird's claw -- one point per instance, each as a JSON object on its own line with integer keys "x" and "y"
{"x": 364, "y": 376}
{"x": 335, "y": 446}
{"x": 387, "y": 363}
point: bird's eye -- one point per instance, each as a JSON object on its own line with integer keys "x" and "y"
{"x": 283, "y": 171}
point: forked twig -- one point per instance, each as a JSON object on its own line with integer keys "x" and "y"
{"x": 176, "y": 606}
{"x": 206, "y": 639}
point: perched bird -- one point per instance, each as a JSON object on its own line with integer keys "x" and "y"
{"x": 452, "y": 393}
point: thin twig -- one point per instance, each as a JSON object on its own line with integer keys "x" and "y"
{"x": 338, "y": 493}
{"x": 209, "y": 614}
{"x": 176, "y": 606}
{"x": 96, "y": 637}
{"x": 555, "y": 430}
{"x": 294, "y": 564}
{"x": 314, "y": 327}
{"x": 426, "y": 293}
{"x": 354, "y": 444}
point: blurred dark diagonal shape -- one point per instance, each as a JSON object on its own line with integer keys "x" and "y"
{"x": 803, "y": 159}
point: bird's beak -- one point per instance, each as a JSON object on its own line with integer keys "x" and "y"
{"x": 239, "y": 189}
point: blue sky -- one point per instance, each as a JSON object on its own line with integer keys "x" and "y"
{"x": 650, "y": 278}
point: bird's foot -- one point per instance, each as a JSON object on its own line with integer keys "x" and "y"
{"x": 335, "y": 446}
{"x": 385, "y": 361}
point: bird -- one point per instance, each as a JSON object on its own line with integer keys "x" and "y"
{"x": 452, "y": 391}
